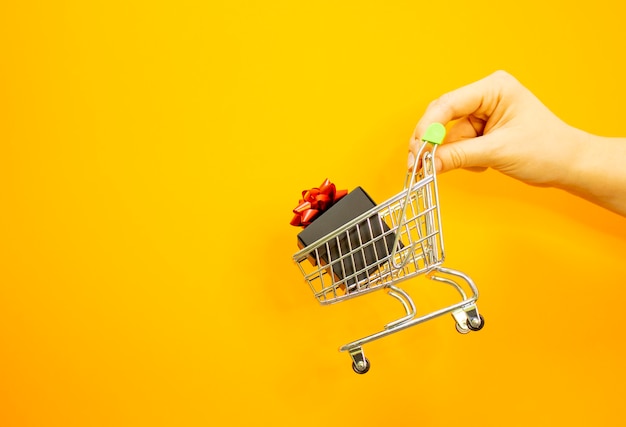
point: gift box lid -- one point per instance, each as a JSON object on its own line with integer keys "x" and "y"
{"x": 355, "y": 203}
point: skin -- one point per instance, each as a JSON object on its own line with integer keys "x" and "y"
{"x": 498, "y": 123}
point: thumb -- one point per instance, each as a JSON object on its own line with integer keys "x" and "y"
{"x": 468, "y": 153}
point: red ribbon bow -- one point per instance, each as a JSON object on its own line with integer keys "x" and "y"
{"x": 314, "y": 202}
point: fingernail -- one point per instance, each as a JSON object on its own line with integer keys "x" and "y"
{"x": 438, "y": 164}
{"x": 411, "y": 161}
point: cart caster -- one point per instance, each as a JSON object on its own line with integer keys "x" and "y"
{"x": 476, "y": 327}
{"x": 463, "y": 320}
{"x": 461, "y": 330}
{"x": 362, "y": 366}
{"x": 460, "y": 321}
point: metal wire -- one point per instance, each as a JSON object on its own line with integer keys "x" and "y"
{"x": 394, "y": 241}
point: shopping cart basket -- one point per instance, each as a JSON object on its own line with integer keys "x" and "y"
{"x": 396, "y": 240}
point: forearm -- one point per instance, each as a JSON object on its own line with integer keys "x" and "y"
{"x": 599, "y": 171}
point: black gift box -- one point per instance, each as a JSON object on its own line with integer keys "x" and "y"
{"x": 361, "y": 248}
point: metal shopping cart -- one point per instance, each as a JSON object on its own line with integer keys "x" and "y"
{"x": 396, "y": 240}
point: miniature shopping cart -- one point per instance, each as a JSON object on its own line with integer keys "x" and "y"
{"x": 396, "y": 240}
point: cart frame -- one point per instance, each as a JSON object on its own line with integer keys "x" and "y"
{"x": 358, "y": 257}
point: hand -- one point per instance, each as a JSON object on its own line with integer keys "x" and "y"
{"x": 496, "y": 122}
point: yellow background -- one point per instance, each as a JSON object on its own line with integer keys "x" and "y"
{"x": 151, "y": 153}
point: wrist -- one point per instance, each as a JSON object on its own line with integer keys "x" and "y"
{"x": 596, "y": 172}
{"x": 576, "y": 169}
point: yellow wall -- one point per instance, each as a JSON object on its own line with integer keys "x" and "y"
{"x": 151, "y": 153}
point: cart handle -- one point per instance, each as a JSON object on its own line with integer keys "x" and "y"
{"x": 435, "y": 133}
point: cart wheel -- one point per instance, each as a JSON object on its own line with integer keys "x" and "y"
{"x": 479, "y": 327}
{"x": 363, "y": 369}
{"x": 460, "y": 329}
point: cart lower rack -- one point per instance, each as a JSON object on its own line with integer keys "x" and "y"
{"x": 396, "y": 240}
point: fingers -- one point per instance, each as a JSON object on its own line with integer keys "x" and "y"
{"x": 465, "y": 128}
{"x": 478, "y": 99}
{"x": 473, "y": 106}
{"x": 474, "y": 153}
{"x": 453, "y": 154}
